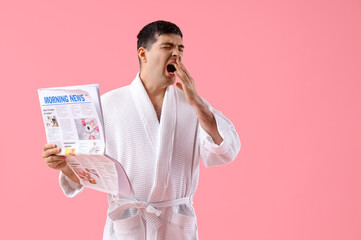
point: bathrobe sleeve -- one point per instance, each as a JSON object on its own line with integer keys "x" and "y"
{"x": 70, "y": 188}
{"x": 215, "y": 155}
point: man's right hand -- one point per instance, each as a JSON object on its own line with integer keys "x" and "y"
{"x": 51, "y": 159}
{"x": 57, "y": 162}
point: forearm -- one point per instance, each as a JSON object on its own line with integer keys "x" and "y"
{"x": 70, "y": 174}
{"x": 207, "y": 120}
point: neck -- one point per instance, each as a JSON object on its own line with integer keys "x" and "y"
{"x": 153, "y": 87}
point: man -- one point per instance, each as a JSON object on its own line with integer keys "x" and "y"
{"x": 157, "y": 132}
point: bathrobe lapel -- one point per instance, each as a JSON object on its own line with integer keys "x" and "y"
{"x": 160, "y": 134}
{"x": 146, "y": 111}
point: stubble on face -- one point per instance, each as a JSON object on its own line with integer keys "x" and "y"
{"x": 166, "y": 50}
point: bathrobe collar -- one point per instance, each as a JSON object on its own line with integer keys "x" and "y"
{"x": 160, "y": 134}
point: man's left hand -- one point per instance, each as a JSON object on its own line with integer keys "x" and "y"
{"x": 186, "y": 83}
{"x": 205, "y": 116}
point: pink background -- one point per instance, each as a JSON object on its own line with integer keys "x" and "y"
{"x": 287, "y": 73}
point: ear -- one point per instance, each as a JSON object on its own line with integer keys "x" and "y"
{"x": 142, "y": 54}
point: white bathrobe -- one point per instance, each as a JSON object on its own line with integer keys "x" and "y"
{"x": 161, "y": 159}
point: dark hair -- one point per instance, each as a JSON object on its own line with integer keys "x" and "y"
{"x": 148, "y": 35}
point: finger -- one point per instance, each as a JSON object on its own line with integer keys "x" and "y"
{"x": 60, "y": 165}
{"x": 179, "y": 85}
{"x": 178, "y": 69}
{"x": 180, "y": 73}
{"x": 52, "y": 160}
{"x": 57, "y": 165}
{"x": 180, "y": 76}
{"x": 50, "y": 152}
{"x": 183, "y": 69}
{"x": 53, "y": 164}
{"x": 49, "y": 146}
{"x": 182, "y": 66}
{"x": 55, "y": 158}
{"x": 178, "y": 65}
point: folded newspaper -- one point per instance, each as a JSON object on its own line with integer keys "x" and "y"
{"x": 74, "y": 122}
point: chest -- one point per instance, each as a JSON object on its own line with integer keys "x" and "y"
{"x": 127, "y": 131}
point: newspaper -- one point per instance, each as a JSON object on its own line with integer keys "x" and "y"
{"x": 73, "y": 120}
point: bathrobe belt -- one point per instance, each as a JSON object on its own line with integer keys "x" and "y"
{"x": 148, "y": 211}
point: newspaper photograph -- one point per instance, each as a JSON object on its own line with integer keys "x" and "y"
{"x": 73, "y": 120}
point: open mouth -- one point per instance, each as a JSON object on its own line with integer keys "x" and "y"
{"x": 170, "y": 68}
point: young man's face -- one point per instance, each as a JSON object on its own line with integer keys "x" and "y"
{"x": 166, "y": 50}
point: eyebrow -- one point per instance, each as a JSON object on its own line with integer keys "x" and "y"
{"x": 172, "y": 44}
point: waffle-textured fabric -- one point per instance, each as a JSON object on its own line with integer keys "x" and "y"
{"x": 161, "y": 160}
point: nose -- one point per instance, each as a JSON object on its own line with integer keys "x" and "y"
{"x": 177, "y": 54}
